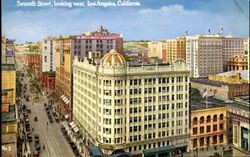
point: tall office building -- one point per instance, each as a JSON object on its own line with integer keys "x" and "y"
{"x": 48, "y": 55}
{"x": 168, "y": 50}
{"x": 141, "y": 109}
{"x": 66, "y": 47}
{"x": 231, "y": 47}
{"x": 48, "y": 50}
{"x": 210, "y": 54}
{"x": 204, "y": 55}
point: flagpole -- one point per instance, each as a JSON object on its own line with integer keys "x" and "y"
{"x": 206, "y": 100}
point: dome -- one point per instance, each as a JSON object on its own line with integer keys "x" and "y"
{"x": 113, "y": 58}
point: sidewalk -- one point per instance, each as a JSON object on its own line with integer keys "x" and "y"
{"x": 70, "y": 133}
{"x": 211, "y": 151}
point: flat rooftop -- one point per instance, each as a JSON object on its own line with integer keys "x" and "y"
{"x": 8, "y": 67}
{"x": 243, "y": 74}
{"x": 9, "y": 116}
{"x": 197, "y": 102}
{"x": 209, "y": 82}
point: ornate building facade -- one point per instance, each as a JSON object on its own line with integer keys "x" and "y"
{"x": 131, "y": 108}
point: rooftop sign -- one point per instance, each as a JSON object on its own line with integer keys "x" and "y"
{"x": 83, "y": 37}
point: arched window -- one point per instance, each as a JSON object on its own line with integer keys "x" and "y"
{"x": 215, "y": 118}
{"x": 221, "y": 116}
{"x": 202, "y": 119}
{"x": 208, "y": 119}
{"x": 195, "y": 120}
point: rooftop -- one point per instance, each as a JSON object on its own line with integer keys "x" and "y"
{"x": 9, "y": 148}
{"x": 199, "y": 103}
{"x": 8, "y": 67}
{"x": 208, "y": 82}
{"x": 9, "y": 116}
{"x": 244, "y": 74}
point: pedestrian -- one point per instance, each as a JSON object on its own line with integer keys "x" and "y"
{"x": 47, "y": 123}
{"x": 43, "y": 146}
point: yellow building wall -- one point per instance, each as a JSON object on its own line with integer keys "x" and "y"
{"x": 9, "y": 82}
{"x": 9, "y": 128}
{"x": 205, "y": 113}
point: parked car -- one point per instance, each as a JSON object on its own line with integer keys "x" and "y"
{"x": 29, "y": 110}
{"x": 37, "y": 146}
{"x": 28, "y": 128}
{"x": 29, "y": 137}
{"x": 64, "y": 131}
{"x": 36, "y": 138}
{"x": 36, "y": 154}
{"x": 51, "y": 120}
{"x": 76, "y": 152}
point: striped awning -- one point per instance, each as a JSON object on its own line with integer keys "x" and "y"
{"x": 73, "y": 126}
{"x": 76, "y": 129}
{"x": 67, "y": 116}
{"x": 71, "y": 123}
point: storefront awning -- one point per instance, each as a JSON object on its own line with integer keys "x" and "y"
{"x": 71, "y": 123}
{"x": 67, "y": 102}
{"x": 73, "y": 126}
{"x": 76, "y": 129}
{"x": 67, "y": 116}
{"x": 62, "y": 96}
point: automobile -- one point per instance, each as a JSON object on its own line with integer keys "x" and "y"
{"x": 48, "y": 113}
{"x": 51, "y": 120}
{"x": 76, "y": 152}
{"x": 57, "y": 119}
{"x": 29, "y": 137}
{"x": 35, "y": 119}
{"x": 24, "y": 106}
{"x": 29, "y": 110}
{"x": 49, "y": 116}
{"x": 28, "y": 128}
{"x": 67, "y": 137}
{"x": 37, "y": 146}
{"x": 27, "y": 122}
{"x": 36, "y": 138}
{"x": 36, "y": 154}
{"x": 26, "y": 115}
{"x": 47, "y": 109}
{"x": 64, "y": 131}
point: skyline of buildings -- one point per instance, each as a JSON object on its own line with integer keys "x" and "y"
{"x": 105, "y": 92}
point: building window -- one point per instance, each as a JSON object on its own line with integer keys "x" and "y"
{"x": 215, "y": 139}
{"x": 208, "y": 119}
{"x": 221, "y": 138}
{"x": 208, "y": 128}
{"x": 201, "y": 142}
{"x": 215, "y": 118}
{"x": 194, "y": 143}
{"x": 202, "y": 119}
{"x": 195, "y": 120}
{"x": 201, "y": 129}
{"x": 215, "y": 127}
{"x": 221, "y": 126}
{"x": 195, "y": 130}
{"x": 221, "y": 116}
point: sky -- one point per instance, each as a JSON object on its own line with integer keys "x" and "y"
{"x": 153, "y": 20}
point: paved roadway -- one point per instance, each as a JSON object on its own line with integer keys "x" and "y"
{"x": 50, "y": 135}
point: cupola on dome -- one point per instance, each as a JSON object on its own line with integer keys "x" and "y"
{"x": 113, "y": 58}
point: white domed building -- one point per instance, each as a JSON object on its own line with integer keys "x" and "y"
{"x": 120, "y": 107}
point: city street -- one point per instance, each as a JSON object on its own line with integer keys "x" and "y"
{"x": 50, "y": 135}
